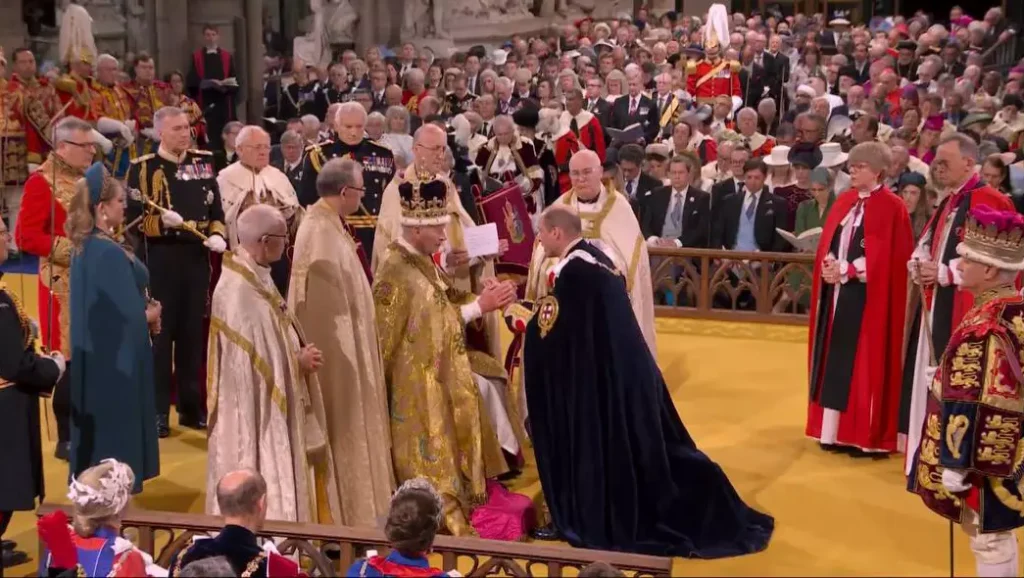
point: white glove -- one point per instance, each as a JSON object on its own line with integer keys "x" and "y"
{"x": 171, "y": 219}
{"x": 110, "y": 126}
{"x": 62, "y": 364}
{"x": 953, "y": 481}
{"x": 131, "y": 124}
{"x": 148, "y": 133}
{"x": 216, "y": 244}
{"x": 32, "y": 167}
{"x": 525, "y": 184}
{"x": 929, "y": 375}
{"x": 103, "y": 142}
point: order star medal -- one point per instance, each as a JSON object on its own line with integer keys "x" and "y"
{"x": 547, "y": 313}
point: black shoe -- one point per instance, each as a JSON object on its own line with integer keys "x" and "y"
{"x": 192, "y": 422}
{"x": 162, "y": 428}
{"x": 8, "y": 545}
{"x": 63, "y": 451}
{"x": 546, "y": 533}
{"x": 14, "y": 558}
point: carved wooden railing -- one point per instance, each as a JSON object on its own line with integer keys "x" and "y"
{"x": 732, "y": 285}
{"x": 164, "y": 534}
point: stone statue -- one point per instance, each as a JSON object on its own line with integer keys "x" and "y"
{"x": 339, "y": 19}
{"x": 490, "y": 11}
{"x": 425, "y": 19}
{"x": 331, "y": 22}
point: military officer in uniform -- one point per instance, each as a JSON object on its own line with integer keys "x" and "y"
{"x": 377, "y": 161}
{"x": 175, "y": 193}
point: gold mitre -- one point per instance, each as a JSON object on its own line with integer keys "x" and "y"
{"x": 424, "y": 203}
{"x": 995, "y": 238}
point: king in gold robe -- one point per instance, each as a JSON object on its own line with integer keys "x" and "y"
{"x": 438, "y": 389}
{"x": 331, "y": 297}
{"x": 265, "y": 413}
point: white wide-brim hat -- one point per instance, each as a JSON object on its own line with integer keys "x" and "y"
{"x": 778, "y": 157}
{"x": 832, "y": 155}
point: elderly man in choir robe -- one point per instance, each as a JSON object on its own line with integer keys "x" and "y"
{"x": 465, "y": 273}
{"x": 252, "y": 180}
{"x": 440, "y": 428}
{"x": 330, "y": 295}
{"x": 858, "y": 301}
{"x": 935, "y": 286}
{"x": 266, "y": 407}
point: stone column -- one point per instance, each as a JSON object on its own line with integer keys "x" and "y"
{"x": 252, "y": 77}
{"x": 171, "y": 36}
{"x": 13, "y": 34}
{"x": 109, "y": 25}
{"x": 366, "y": 27}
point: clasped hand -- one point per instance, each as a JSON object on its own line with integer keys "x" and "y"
{"x": 153, "y": 315}
{"x": 496, "y": 295}
{"x": 310, "y": 358}
{"x": 830, "y": 270}
{"x": 927, "y": 272}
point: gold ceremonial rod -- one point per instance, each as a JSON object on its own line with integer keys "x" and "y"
{"x": 184, "y": 225}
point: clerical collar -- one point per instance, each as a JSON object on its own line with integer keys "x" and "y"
{"x": 213, "y": 50}
{"x": 168, "y": 155}
{"x": 592, "y": 201}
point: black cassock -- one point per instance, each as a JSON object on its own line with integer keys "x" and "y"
{"x": 618, "y": 468}
{"x": 218, "y": 106}
{"x": 24, "y": 376}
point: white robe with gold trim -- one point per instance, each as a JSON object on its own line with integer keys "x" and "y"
{"x": 264, "y": 412}
{"x": 240, "y": 188}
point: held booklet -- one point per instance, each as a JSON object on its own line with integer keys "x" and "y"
{"x": 806, "y": 242}
{"x": 633, "y": 133}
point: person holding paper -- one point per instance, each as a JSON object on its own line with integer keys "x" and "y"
{"x": 330, "y": 295}
{"x": 448, "y": 421}
{"x": 857, "y": 309}
{"x": 213, "y": 84}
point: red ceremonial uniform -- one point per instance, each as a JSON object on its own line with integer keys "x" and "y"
{"x": 78, "y": 99}
{"x": 587, "y": 130}
{"x": 38, "y": 107}
{"x": 50, "y": 190}
{"x": 564, "y": 145}
{"x": 857, "y": 325}
{"x": 144, "y": 103}
{"x": 412, "y": 101}
{"x": 706, "y": 80}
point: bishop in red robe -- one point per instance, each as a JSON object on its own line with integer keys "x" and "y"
{"x": 857, "y": 310}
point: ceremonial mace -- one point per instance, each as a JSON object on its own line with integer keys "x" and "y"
{"x": 931, "y": 356}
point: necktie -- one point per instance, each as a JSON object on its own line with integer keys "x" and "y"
{"x": 574, "y": 126}
{"x": 630, "y": 188}
{"x": 751, "y": 206}
{"x": 661, "y": 103}
{"x": 632, "y": 106}
{"x": 677, "y": 211}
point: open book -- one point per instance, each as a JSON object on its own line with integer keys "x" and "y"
{"x": 806, "y": 242}
{"x": 632, "y": 134}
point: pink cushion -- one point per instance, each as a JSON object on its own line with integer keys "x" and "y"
{"x": 505, "y": 516}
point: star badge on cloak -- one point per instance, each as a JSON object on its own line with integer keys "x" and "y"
{"x": 547, "y": 314}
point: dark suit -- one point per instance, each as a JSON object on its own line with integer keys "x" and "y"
{"x": 646, "y": 114}
{"x": 752, "y": 83}
{"x": 771, "y": 212}
{"x": 508, "y": 107}
{"x": 720, "y": 191}
{"x": 861, "y": 74}
{"x": 828, "y": 38}
{"x": 644, "y": 185}
{"x": 221, "y": 160}
{"x": 654, "y": 208}
{"x": 776, "y": 73}
{"x": 600, "y": 108}
{"x": 294, "y": 176}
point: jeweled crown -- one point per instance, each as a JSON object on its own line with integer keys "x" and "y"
{"x": 994, "y": 237}
{"x": 424, "y": 203}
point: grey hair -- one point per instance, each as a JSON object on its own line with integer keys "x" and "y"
{"x": 213, "y": 567}
{"x": 258, "y": 221}
{"x": 414, "y": 75}
{"x": 335, "y": 175}
{"x": 375, "y": 115}
{"x": 166, "y": 113}
{"x": 68, "y": 126}
{"x": 504, "y": 82}
{"x": 399, "y": 112}
{"x": 248, "y": 131}
{"x": 105, "y": 57}
{"x": 966, "y": 144}
{"x": 504, "y": 120}
{"x": 347, "y": 108}
{"x": 746, "y": 112}
{"x": 291, "y": 137}
{"x": 310, "y": 120}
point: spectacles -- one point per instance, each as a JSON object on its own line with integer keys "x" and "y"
{"x": 433, "y": 149}
{"x": 83, "y": 145}
{"x": 260, "y": 148}
{"x": 270, "y": 236}
{"x": 360, "y": 189}
{"x": 581, "y": 173}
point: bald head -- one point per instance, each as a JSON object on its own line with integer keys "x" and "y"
{"x": 241, "y": 493}
{"x": 585, "y": 172}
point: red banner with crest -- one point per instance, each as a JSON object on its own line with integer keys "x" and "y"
{"x": 506, "y": 208}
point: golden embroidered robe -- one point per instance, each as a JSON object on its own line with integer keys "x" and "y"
{"x": 440, "y": 429}
{"x": 264, "y": 412}
{"x": 331, "y": 298}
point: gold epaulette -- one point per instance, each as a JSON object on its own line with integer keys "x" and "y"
{"x": 318, "y": 146}
{"x": 691, "y": 66}
{"x": 66, "y": 84}
{"x": 200, "y": 152}
{"x": 143, "y": 158}
{"x": 734, "y": 66}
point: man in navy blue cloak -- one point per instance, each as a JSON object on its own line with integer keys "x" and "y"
{"x": 618, "y": 468}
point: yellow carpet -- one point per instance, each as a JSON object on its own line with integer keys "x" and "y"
{"x": 740, "y": 389}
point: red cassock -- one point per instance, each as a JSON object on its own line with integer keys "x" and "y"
{"x": 869, "y": 406}
{"x": 42, "y": 236}
{"x": 588, "y": 131}
{"x": 564, "y": 145}
{"x": 705, "y": 81}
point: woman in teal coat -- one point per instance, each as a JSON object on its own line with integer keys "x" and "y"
{"x": 113, "y": 413}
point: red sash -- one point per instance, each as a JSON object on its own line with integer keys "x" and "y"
{"x": 389, "y": 568}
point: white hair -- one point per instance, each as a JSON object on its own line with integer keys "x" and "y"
{"x": 505, "y": 83}
{"x": 289, "y": 137}
{"x": 107, "y": 57}
{"x": 414, "y": 75}
{"x": 258, "y": 221}
{"x": 247, "y": 132}
{"x": 310, "y": 121}
{"x": 164, "y": 114}
{"x": 375, "y": 116}
{"x": 350, "y": 107}
{"x": 746, "y": 112}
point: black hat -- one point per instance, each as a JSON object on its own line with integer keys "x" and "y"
{"x": 912, "y": 178}
{"x": 477, "y": 51}
{"x": 424, "y": 204}
{"x": 527, "y": 116}
{"x": 828, "y": 50}
{"x": 694, "y": 48}
{"x": 1013, "y": 100}
{"x": 906, "y": 45}
{"x": 848, "y": 71}
{"x": 805, "y": 154}
{"x": 673, "y": 59}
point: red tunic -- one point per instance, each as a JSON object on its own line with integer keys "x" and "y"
{"x": 49, "y": 190}
{"x": 706, "y": 80}
{"x": 592, "y": 137}
{"x": 78, "y": 99}
{"x": 38, "y": 108}
{"x": 871, "y": 418}
{"x": 412, "y": 101}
